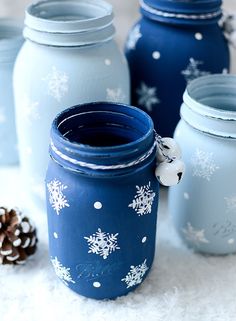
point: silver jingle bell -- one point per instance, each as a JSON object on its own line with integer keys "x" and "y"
{"x": 168, "y": 149}
{"x": 170, "y": 174}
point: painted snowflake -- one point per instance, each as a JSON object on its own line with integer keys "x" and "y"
{"x": 133, "y": 38}
{"x": 135, "y": 275}
{"x": 3, "y": 117}
{"x": 102, "y": 243}
{"x": 192, "y": 71}
{"x": 30, "y": 110}
{"x": 57, "y": 83}
{"x": 194, "y": 236}
{"x": 231, "y": 203}
{"x": 203, "y": 164}
{"x": 115, "y": 95}
{"x": 143, "y": 200}
{"x": 62, "y": 272}
{"x": 56, "y": 197}
{"x": 147, "y": 96}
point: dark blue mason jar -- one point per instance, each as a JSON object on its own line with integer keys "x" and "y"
{"x": 102, "y": 198}
{"x": 175, "y": 42}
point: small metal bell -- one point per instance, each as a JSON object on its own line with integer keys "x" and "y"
{"x": 170, "y": 173}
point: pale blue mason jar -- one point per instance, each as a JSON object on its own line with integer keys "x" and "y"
{"x": 10, "y": 42}
{"x": 69, "y": 58}
{"x": 203, "y": 205}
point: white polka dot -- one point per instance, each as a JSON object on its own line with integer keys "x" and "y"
{"x": 186, "y": 196}
{"x": 107, "y": 62}
{"x": 198, "y": 36}
{"x": 156, "y": 55}
{"x": 96, "y": 284}
{"x": 144, "y": 239}
{"x": 55, "y": 235}
{"x": 98, "y": 205}
{"x": 231, "y": 241}
{"x": 225, "y": 71}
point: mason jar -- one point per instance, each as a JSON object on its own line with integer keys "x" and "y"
{"x": 10, "y": 43}
{"x": 102, "y": 198}
{"x": 69, "y": 57}
{"x": 173, "y": 43}
{"x": 203, "y": 205}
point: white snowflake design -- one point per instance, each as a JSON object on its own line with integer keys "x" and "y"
{"x": 192, "y": 71}
{"x": 231, "y": 203}
{"x": 203, "y": 164}
{"x": 143, "y": 200}
{"x": 194, "y": 236}
{"x": 147, "y": 96}
{"x": 62, "y": 272}
{"x": 102, "y": 243}
{"x": 56, "y": 197}
{"x": 115, "y": 95}
{"x": 136, "y": 274}
{"x": 3, "y": 117}
{"x": 30, "y": 110}
{"x": 57, "y": 83}
{"x": 133, "y": 38}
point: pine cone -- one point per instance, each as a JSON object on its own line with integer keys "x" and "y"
{"x": 17, "y": 237}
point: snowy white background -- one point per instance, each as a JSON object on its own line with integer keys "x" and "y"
{"x": 182, "y": 286}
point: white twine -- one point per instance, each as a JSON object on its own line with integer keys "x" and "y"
{"x": 179, "y": 15}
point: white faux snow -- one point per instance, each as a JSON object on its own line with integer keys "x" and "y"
{"x": 56, "y": 196}
{"x": 135, "y": 275}
{"x": 57, "y": 82}
{"x": 181, "y": 285}
{"x": 203, "y": 164}
{"x": 147, "y": 96}
{"x": 192, "y": 70}
{"x": 193, "y": 235}
{"x": 133, "y": 38}
{"x": 102, "y": 243}
{"x": 143, "y": 200}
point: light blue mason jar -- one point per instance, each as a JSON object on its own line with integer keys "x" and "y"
{"x": 69, "y": 58}
{"x": 10, "y": 42}
{"x": 203, "y": 205}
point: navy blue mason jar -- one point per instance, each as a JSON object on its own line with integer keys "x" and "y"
{"x": 102, "y": 198}
{"x": 175, "y": 42}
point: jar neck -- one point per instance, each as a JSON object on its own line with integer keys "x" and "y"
{"x": 70, "y": 23}
{"x": 103, "y": 139}
{"x": 209, "y": 105}
{"x": 182, "y": 12}
{"x": 10, "y": 40}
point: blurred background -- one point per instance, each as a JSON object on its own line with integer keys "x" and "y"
{"x": 126, "y": 12}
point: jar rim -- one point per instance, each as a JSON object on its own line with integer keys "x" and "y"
{"x": 56, "y": 22}
{"x": 209, "y": 105}
{"x": 105, "y": 158}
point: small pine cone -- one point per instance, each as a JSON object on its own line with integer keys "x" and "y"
{"x": 17, "y": 237}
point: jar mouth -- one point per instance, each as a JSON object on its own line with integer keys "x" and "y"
{"x": 182, "y": 11}
{"x": 66, "y": 22}
{"x": 10, "y": 39}
{"x": 103, "y": 134}
{"x": 210, "y": 105}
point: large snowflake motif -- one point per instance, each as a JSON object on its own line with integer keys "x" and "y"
{"x": 194, "y": 236}
{"x": 57, "y": 83}
{"x": 115, "y": 95}
{"x": 3, "y": 117}
{"x": 143, "y": 200}
{"x": 30, "y": 110}
{"x": 147, "y": 96}
{"x": 133, "y": 38}
{"x": 231, "y": 203}
{"x": 102, "y": 243}
{"x": 56, "y": 197}
{"x": 62, "y": 272}
{"x": 203, "y": 164}
{"x": 135, "y": 275}
{"x": 192, "y": 71}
